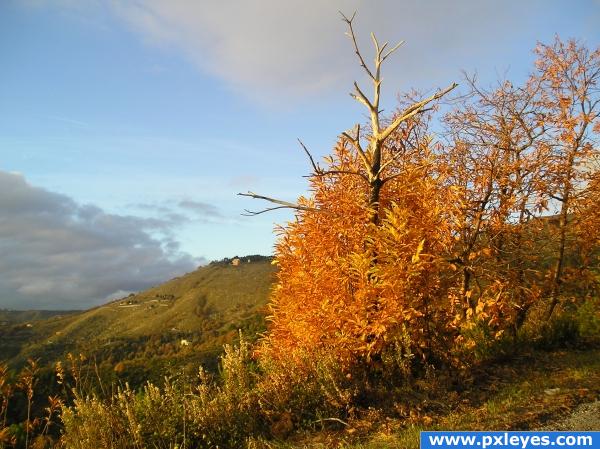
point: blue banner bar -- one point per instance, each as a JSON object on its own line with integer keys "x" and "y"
{"x": 510, "y": 440}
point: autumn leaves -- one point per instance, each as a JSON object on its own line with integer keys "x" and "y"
{"x": 491, "y": 224}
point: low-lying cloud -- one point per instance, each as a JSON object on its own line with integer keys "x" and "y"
{"x": 58, "y": 254}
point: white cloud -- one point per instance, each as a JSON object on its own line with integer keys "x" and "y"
{"x": 258, "y": 47}
{"x": 269, "y": 48}
{"x": 276, "y": 51}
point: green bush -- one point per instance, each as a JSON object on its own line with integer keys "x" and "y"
{"x": 573, "y": 327}
{"x": 482, "y": 344}
{"x": 561, "y": 331}
{"x": 306, "y": 391}
{"x": 588, "y": 317}
{"x": 245, "y": 401}
{"x": 211, "y": 413}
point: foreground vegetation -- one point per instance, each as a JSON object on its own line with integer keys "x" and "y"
{"x": 250, "y": 405}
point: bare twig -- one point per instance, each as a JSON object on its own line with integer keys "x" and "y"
{"x": 252, "y": 213}
{"x": 352, "y": 36}
{"x": 413, "y": 110}
{"x": 361, "y": 152}
{"x": 282, "y": 204}
{"x": 318, "y": 171}
{"x": 315, "y": 166}
{"x": 394, "y": 158}
{"x": 361, "y": 97}
{"x": 398, "y": 45}
{"x": 333, "y": 419}
{"x": 341, "y": 172}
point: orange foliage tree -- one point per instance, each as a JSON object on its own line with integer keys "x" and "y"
{"x": 406, "y": 244}
{"x": 569, "y": 75}
{"x": 587, "y": 237}
{"x": 353, "y": 286}
{"x": 521, "y": 157}
{"x": 496, "y": 156}
{"x": 360, "y": 266}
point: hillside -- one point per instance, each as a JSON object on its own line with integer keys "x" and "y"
{"x": 188, "y": 317}
{"x": 8, "y": 317}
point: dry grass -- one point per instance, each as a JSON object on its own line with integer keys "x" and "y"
{"x": 525, "y": 393}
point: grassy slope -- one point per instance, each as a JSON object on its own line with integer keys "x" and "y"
{"x": 203, "y": 305}
{"x": 222, "y": 293}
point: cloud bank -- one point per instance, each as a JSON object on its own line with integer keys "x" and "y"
{"x": 58, "y": 254}
{"x": 273, "y": 51}
{"x": 270, "y": 48}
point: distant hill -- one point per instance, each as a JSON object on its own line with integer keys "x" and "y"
{"x": 183, "y": 321}
{"x": 20, "y": 316}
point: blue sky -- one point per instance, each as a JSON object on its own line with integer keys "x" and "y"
{"x": 154, "y": 114}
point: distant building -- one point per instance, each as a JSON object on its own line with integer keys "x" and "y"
{"x": 235, "y": 262}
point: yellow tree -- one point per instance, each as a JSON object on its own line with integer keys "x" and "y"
{"x": 360, "y": 266}
{"x": 585, "y": 220}
{"x": 569, "y": 75}
{"x": 496, "y": 158}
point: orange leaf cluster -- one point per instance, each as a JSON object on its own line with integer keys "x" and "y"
{"x": 422, "y": 241}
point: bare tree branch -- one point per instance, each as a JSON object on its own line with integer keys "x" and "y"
{"x": 315, "y": 166}
{"x": 283, "y": 204}
{"x": 394, "y": 158}
{"x": 318, "y": 171}
{"x": 361, "y": 152}
{"x": 398, "y": 45}
{"x": 252, "y": 213}
{"x": 352, "y": 36}
{"x": 371, "y": 156}
{"x": 341, "y": 172}
{"x": 413, "y": 110}
{"x": 362, "y": 98}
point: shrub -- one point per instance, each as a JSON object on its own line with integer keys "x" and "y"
{"x": 213, "y": 413}
{"x": 588, "y": 317}
{"x": 560, "y": 332}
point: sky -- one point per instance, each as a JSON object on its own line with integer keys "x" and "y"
{"x": 127, "y": 127}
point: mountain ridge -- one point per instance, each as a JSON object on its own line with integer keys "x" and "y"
{"x": 196, "y": 312}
